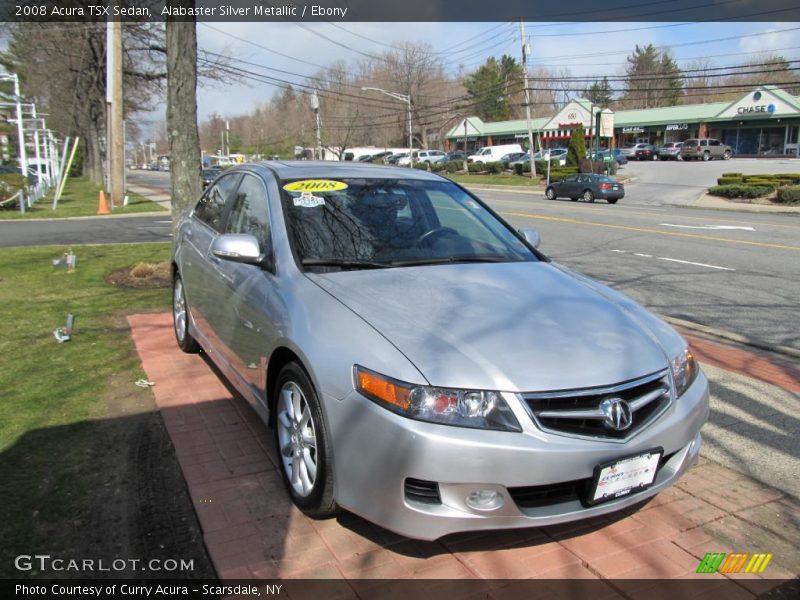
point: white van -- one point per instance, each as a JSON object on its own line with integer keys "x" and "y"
{"x": 494, "y": 153}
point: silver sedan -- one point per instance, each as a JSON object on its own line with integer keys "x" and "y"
{"x": 420, "y": 362}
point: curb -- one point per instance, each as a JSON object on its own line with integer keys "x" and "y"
{"x": 762, "y": 209}
{"x": 733, "y": 337}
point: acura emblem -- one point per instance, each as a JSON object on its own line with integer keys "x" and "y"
{"x": 617, "y": 414}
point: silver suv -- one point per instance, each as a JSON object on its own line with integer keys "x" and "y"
{"x": 705, "y": 149}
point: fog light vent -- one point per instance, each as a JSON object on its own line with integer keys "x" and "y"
{"x": 423, "y": 491}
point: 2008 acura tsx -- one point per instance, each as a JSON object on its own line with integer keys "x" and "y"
{"x": 420, "y": 362}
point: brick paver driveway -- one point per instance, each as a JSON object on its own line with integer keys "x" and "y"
{"x": 251, "y": 529}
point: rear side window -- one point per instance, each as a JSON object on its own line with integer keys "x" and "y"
{"x": 211, "y": 208}
{"x": 704, "y": 142}
{"x": 713, "y": 142}
{"x": 690, "y": 143}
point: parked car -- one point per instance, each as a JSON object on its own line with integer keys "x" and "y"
{"x": 523, "y": 160}
{"x": 493, "y": 153}
{"x": 705, "y": 149}
{"x": 629, "y": 150}
{"x": 210, "y": 175}
{"x": 559, "y": 154}
{"x": 423, "y": 156}
{"x": 507, "y": 159}
{"x": 456, "y": 155}
{"x": 587, "y": 186}
{"x": 645, "y": 152}
{"x": 670, "y": 151}
{"x": 396, "y": 157}
{"x": 616, "y": 153}
{"x": 355, "y": 308}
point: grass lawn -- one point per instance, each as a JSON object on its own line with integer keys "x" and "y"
{"x": 80, "y": 199}
{"x": 53, "y": 397}
{"x": 501, "y": 179}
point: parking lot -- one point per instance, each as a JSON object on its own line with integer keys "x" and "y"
{"x": 682, "y": 182}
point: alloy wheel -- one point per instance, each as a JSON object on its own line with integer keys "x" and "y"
{"x": 179, "y": 310}
{"x": 297, "y": 439}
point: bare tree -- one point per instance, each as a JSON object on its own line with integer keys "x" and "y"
{"x": 184, "y": 139}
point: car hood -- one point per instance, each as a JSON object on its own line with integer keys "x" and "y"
{"x": 506, "y": 326}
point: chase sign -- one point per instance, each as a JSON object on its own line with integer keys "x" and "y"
{"x": 759, "y": 108}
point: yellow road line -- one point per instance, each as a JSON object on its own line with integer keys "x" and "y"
{"x": 658, "y": 231}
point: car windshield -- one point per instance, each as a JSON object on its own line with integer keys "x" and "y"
{"x": 374, "y": 223}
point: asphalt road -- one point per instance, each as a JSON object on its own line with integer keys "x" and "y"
{"x": 734, "y": 271}
{"x": 739, "y": 272}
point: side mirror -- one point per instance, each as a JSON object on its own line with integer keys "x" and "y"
{"x": 531, "y": 236}
{"x": 238, "y": 247}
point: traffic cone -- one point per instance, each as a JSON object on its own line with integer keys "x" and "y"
{"x": 102, "y": 208}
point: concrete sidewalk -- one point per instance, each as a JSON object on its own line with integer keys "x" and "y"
{"x": 252, "y": 530}
{"x": 154, "y": 194}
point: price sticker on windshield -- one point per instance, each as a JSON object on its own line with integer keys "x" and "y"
{"x": 308, "y": 200}
{"x": 315, "y": 185}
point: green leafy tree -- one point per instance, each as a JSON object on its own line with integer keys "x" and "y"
{"x": 653, "y": 79}
{"x": 576, "y": 152}
{"x": 495, "y": 87}
{"x": 599, "y": 92}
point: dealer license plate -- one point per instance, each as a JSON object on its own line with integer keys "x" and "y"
{"x": 616, "y": 187}
{"x": 624, "y": 476}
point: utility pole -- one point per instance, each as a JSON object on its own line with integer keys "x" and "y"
{"x": 315, "y": 108}
{"x": 526, "y": 50}
{"x": 115, "y": 143}
{"x": 407, "y": 99}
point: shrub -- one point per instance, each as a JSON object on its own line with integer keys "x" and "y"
{"x": 738, "y": 175}
{"x": 452, "y": 167}
{"x": 494, "y": 168}
{"x": 518, "y": 169}
{"x": 475, "y": 167}
{"x": 788, "y": 195}
{"x": 728, "y": 180}
{"x": 577, "y": 147}
{"x": 10, "y": 184}
{"x": 741, "y": 190}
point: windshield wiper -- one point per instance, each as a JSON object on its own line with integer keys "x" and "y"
{"x": 447, "y": 260}
{"x": 344, "y": 263}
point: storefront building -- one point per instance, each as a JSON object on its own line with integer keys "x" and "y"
{"x": 763, "y": 122}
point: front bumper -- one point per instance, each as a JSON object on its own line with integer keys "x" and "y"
{"x": 375, "y": 451}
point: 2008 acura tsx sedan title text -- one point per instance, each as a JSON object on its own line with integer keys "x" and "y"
{"x": 420, "y": 362}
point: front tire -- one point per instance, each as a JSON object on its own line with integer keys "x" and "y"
{"x": 550, "y": 193}
{"x": 180, "y": 318}
{"x": 301, "y": 439}
{"x": 726, "y": 155}
{"x": 706, "y": 156}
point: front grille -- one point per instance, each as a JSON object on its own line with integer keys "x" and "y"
{"x": 423, "y": 491}
{"x": 579, "y": 412}
{"x": 537, "y": 496}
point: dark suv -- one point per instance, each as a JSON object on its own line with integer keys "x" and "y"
{"x": 705, "y": 149}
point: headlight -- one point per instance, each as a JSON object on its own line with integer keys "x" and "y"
{"x": 684, "y": 371}
{"x": 460, "y": 408}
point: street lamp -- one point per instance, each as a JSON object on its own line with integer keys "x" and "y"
{"x": 407, "y": 99}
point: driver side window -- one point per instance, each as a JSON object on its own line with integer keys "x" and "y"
{"x": 250, "y": 212}
{"x": 211, "y": 208}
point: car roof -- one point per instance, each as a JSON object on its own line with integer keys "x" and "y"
{"x": 326, "y": 169}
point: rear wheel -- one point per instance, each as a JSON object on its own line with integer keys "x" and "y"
{"x": 550, "y": 193}
{"x": 301, "y": 439}
{"x": 588, "y": 196}
{"x": 726, "y": 155}
{"x": 612, "y": 200}
{"x": 180, "y": 318}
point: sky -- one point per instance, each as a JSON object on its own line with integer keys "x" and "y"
{"x": 585, "y": 48}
